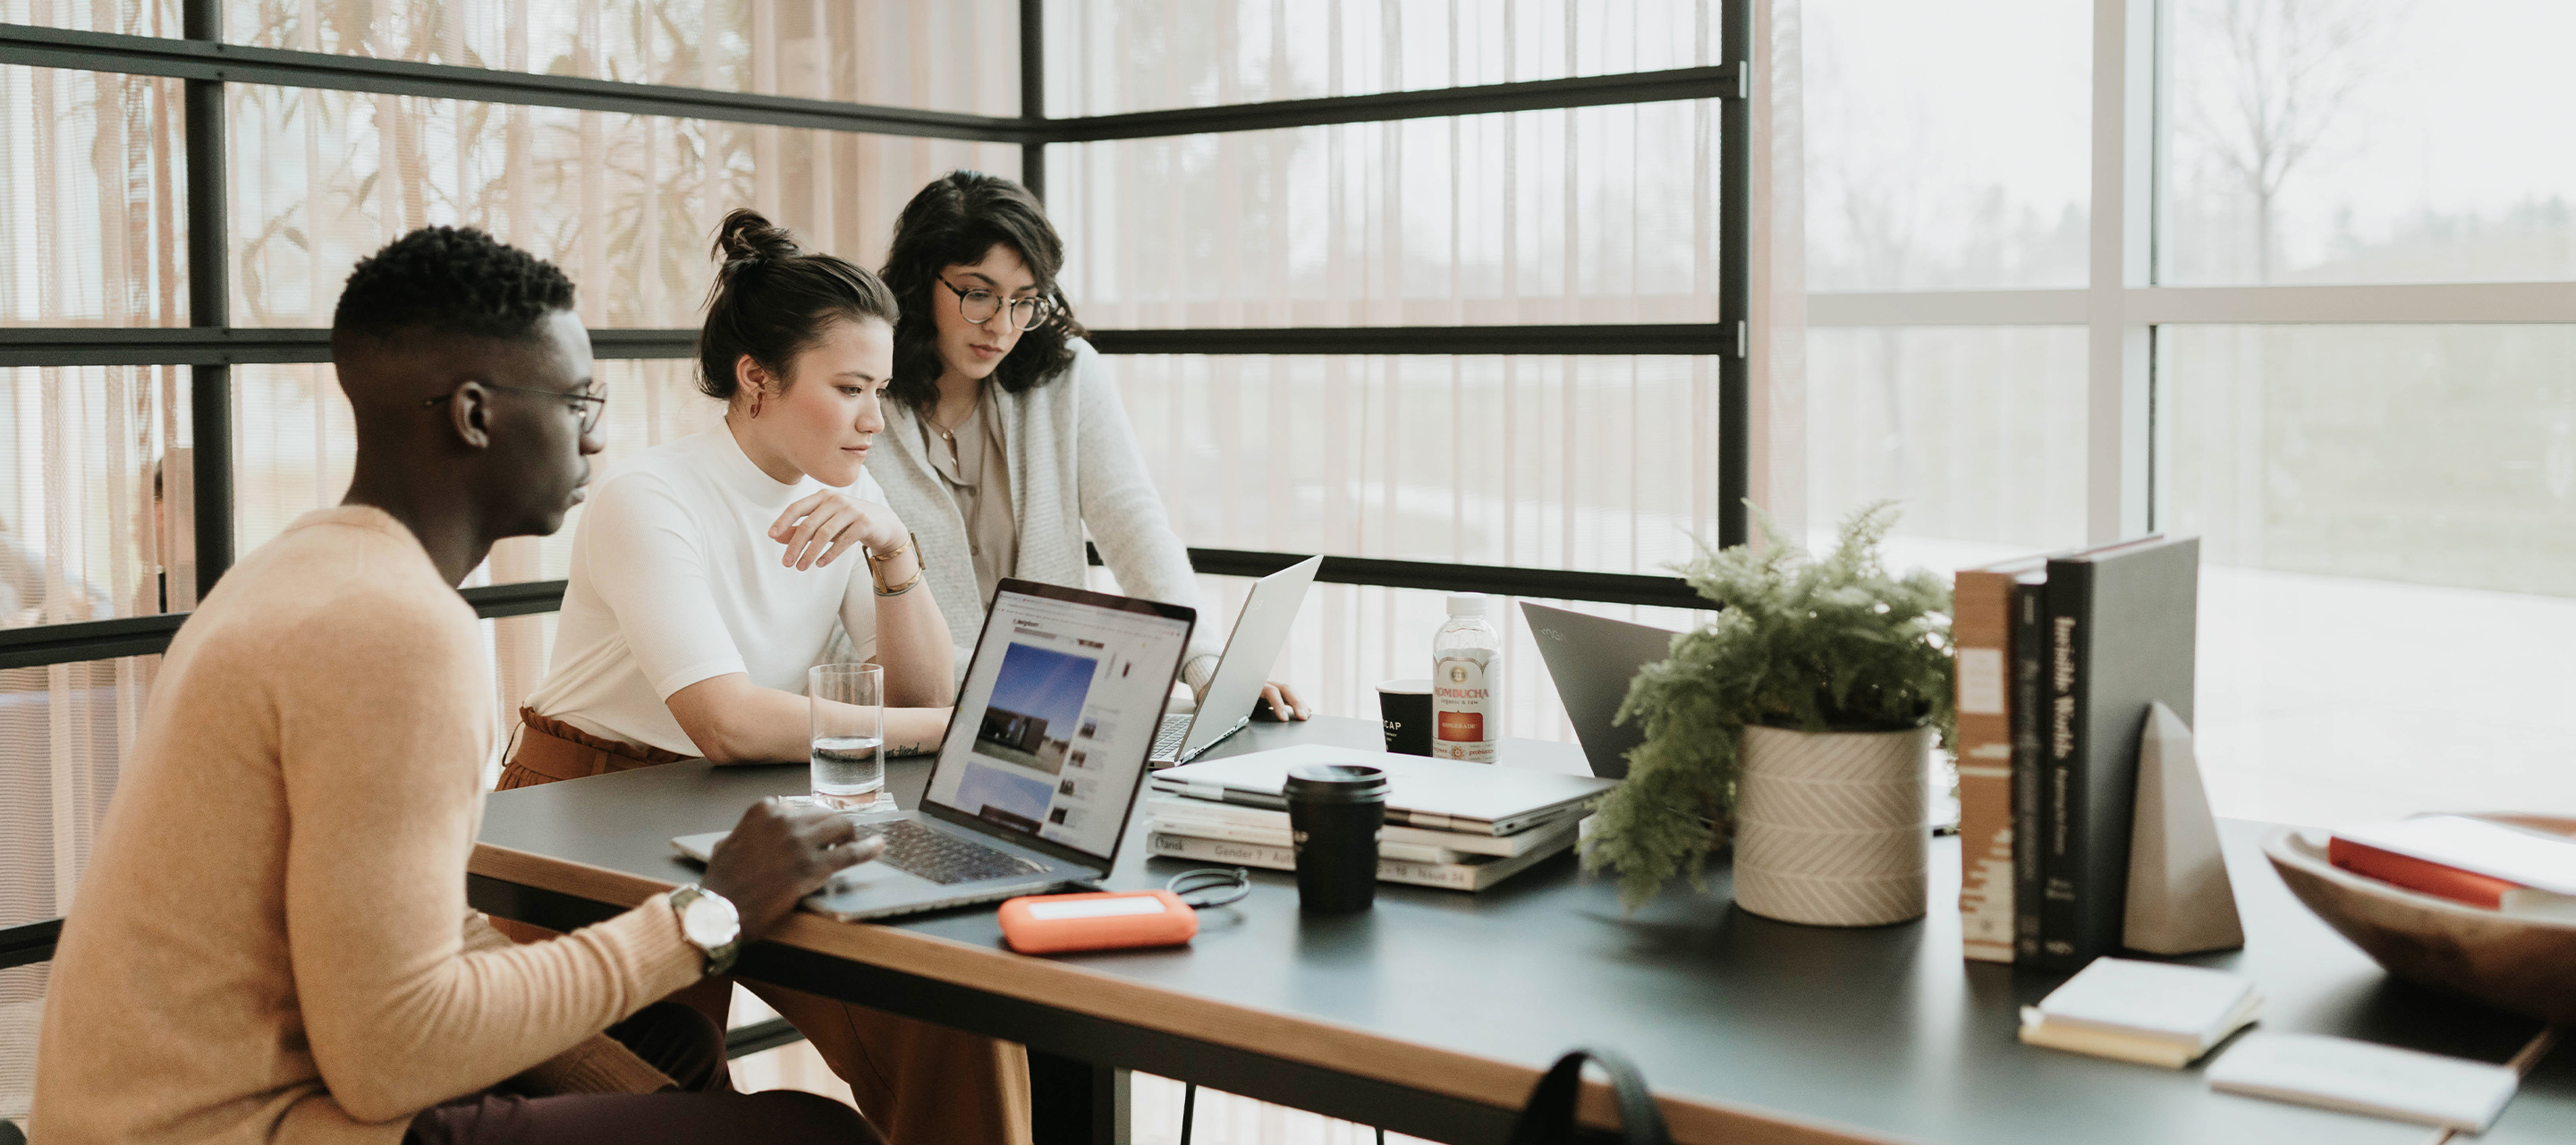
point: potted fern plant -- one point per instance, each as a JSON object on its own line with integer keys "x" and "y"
{"x": 1800, "y": 721}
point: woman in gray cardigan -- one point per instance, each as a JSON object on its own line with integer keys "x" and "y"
{"x": 1005, "y": 440}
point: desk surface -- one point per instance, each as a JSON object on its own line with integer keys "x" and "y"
{"x": 1752, "y": 1031}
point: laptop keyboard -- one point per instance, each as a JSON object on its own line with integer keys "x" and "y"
{"x": 1167, "y": 742}
{"x": 941, "y": 857}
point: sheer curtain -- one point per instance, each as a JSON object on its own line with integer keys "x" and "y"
{"x": 89, "y": 201}
{"x": 1594, "y": 215}
{"x": 626, "y": 204}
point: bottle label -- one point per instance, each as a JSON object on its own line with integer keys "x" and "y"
{"x": 1466, "y": 717}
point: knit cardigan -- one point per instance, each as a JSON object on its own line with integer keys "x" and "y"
{"x": 1074, "y": 464}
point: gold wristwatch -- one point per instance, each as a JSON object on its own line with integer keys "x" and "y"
{"x": 709, "y": 923}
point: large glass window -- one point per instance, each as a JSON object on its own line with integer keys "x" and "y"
{"x": 92, "y": 507}
{"x": 955, "y": 55}
{"x": 1947, "y": 145}
{"x": 2436, "y": 455}
{"x": 1111, "y": 56}
{"x": 1601, "y": 463}
{"x": 91, "y": 198}
{"x": 129, "y": 17}
{"x": 1601, "y": 214}
{"x": 1977, "y": 433}
{"x": 2353, "y": 141}
{"x": 2388, "y": 521}
{"x": 626, "y": 204}
{"x": 64, "y": 730}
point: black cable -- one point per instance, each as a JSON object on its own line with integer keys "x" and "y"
{"x": 1221, "y": 886}
{"x": 1189, "y": 1106}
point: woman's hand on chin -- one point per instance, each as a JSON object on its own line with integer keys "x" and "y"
{"x": 819, "y": 528}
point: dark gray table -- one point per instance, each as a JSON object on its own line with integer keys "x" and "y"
{"x": 1432, "y": 1014}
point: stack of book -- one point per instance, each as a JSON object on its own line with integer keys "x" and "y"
{"x": 1180, "y": 827}
{"x": 2497, "y": 866}
{"x": 1449, "y": 823}
{"x": 2059, "y": 660}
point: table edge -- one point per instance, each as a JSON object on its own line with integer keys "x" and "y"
{"x": 1070, "y": 987}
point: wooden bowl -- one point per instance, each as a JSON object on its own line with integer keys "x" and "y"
{"x": 2521, "y": 965}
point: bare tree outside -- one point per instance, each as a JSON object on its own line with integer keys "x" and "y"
{"x": 2285, "y": 75}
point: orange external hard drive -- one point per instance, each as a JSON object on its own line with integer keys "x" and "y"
{"x": 1105, "y": 920}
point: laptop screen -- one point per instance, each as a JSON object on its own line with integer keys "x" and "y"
{"x": 1059, "y": 711}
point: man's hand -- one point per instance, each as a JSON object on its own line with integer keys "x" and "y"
{"x": 817, "y": 529}
{"x": 779, "y": 854}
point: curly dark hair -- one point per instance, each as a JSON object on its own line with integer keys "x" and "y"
{"x": 450, "y": 280}
{"x": 772, "y": 300}
{"x": 955, "y": 220}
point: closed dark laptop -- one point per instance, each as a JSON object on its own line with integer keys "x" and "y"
{"x": 1041, "y": 763}
{"x": 1592, "y": 659}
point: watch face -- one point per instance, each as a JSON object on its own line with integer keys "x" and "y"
{"x": 709, "y": 921}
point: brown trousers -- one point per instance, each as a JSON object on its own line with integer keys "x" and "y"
{"x": 919, "y": 1083}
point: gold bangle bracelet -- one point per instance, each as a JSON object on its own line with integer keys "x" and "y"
{"x": 910, "y": 541}
{"x": 907, "y": 586}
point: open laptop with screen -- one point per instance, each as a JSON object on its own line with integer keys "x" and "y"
{"x": 1259, "y": 633}
{"x": 1041, "y": 763}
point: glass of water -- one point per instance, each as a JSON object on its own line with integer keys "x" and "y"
{"x": 847, "y": 727}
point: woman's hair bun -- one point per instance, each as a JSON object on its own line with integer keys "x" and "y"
{"x": 748, "y": 236}
{"x": 772, "y": 300}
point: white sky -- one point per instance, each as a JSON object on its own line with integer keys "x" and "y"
{"x": 2470, "y": 107}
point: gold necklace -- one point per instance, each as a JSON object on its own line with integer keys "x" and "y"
{"x": 948, "y": 433}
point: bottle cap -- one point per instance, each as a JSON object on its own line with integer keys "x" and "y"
{"x": 1467, "y": 604}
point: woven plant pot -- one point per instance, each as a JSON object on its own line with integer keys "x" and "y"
{"x": 1830, "y": 827}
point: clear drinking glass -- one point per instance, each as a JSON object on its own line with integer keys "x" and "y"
{"x": 847, "y": 723}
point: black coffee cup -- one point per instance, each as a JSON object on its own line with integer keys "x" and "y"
{"x": 1334, "y": 812}
{"x": 1404, "y": 707}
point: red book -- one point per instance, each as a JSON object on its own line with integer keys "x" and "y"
{"x": 2420, "y": 875}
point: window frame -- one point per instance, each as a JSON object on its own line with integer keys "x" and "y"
{"x": 2123, "y": 302}
{"x": 212, "y": 347}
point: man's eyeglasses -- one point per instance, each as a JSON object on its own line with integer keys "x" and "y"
{"x": 979, "y": 305}
{"x": 584, "y": 406}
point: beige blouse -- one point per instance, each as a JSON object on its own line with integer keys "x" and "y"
{"x": 971, "y": 459}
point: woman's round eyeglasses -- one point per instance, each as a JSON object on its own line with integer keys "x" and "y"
{"x": 585, "y": 406}
{"x": 978, "y": 305}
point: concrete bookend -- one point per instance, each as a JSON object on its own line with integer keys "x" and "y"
{"x": 2180, "y": 901}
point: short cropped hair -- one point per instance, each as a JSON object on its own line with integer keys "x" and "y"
{"x": 450, "y": 280}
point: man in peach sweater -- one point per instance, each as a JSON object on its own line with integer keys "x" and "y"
{"x": 272, "y": 943}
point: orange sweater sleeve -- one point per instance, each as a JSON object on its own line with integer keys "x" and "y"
{"x": 383, "y": 719}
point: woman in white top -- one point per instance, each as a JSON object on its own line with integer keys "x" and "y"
{"x": 707, "y": 572}
{"x": 1005, "y": 441}
{"x": 707, "y": 575}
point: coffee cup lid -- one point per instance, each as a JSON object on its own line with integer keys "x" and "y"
{"x": 1420, "y": 685}
{"x": 1336, "y": 783}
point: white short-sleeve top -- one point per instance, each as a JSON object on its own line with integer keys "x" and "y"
{"x": 675, "y": 580}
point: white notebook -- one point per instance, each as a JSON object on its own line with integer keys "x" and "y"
{"x": 2154, "y": 1013}
{"x": 2359, "y": 1077}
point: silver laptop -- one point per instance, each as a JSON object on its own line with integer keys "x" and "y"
{"x": 1250, "y": 653}
{"x": 1592, "y": 660}
{"x": 1435, "y": 794}
{"x": 1041, "y": 763}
